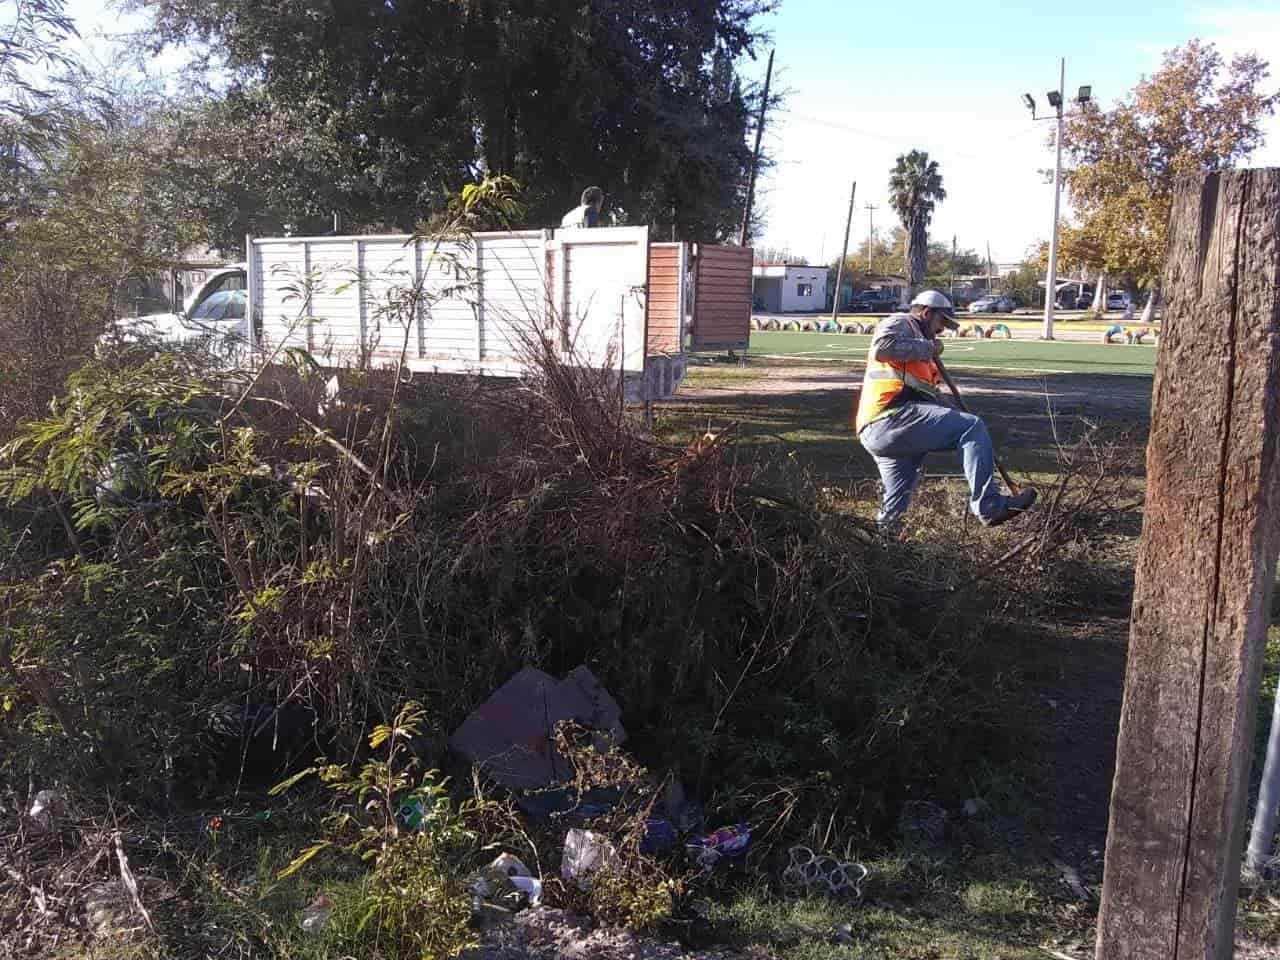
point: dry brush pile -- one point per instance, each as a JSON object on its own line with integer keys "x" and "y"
{"x": 193, "y": 550}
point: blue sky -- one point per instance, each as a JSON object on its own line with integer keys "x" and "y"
{"x": 866, "y": 82}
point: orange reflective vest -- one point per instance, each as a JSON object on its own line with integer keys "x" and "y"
{"x": 884, "y": 380}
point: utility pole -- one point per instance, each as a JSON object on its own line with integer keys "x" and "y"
{"x": 871, "y": 238}
{"x": 953, "y": 269}
{"x": 1051, "y": 284}
{"x": 988, "y": 266}
{"x": 844, "y": 252}
{"x": 1057, "y": 100}
{"x": 755, "y": 157}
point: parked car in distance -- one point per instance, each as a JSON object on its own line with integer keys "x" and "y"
{"x": 873, "y": 301}
{"x": 993, "y": 304}
{"x": 1117, "y": 300}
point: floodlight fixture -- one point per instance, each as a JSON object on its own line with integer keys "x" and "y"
{"x": 1084, "y": 95}
{"x": 1030, "y": 101}
{"x": 1055, "y": 99}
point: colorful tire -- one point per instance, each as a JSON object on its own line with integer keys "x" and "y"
{"x": 1000, "y": 330}
{"x": 772, "y": 324}
{"x": 1142, "y": 333}
{"x": 792, "y": 326}
{"x": 756, "y": 323}
{"x": 851, "y": 328}
{"x": 1113, "y": 331}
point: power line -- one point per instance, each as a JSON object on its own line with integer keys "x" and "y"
{"x": 897, "y": 139}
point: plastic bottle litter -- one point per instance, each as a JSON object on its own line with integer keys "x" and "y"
{"x": 725, "y": 843}
{"x": 585, "y": 853}
{"x": 315, "y": 917}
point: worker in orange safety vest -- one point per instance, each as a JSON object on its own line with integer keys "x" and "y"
{"x": 901, "y": 417}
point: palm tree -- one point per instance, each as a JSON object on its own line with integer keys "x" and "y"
{"x": 914, "y": 187}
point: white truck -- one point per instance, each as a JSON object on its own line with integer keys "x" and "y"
{"x": 605, "y": 297}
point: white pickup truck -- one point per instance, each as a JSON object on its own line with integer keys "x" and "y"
{"x": 216, "y": 310}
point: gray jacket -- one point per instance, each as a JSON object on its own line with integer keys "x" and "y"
{"x": 900, "y": 338}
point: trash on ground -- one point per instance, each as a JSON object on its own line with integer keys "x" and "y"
{"x": 818, "y": 873}
{"x": 558, "y": 802}
{"x": 585, "y": 853}
{"x": 659, "y": 834}
{"x": 315, "y": 916}
{"x": 510, "y": 734}
{"x": 531, "y": 887}
{"x": 506, "y": 883}
{"x": 414, "y": 812}
{"x": 725, "y": 843}
{"x": 843, "y": 934}
{"x": 47, "y": 807}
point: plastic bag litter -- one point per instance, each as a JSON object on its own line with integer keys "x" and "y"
{"x": 724, "y": 843}
{"x": 315, "y": 917}
{"x": 507, "y": 873}
{"x": 585, "y": 853}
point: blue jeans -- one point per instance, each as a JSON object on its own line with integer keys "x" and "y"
{"x": 899, "y": 442}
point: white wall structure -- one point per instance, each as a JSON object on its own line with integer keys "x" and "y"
{"x": 790, "y": 288}
{"x": 465, "y": 307}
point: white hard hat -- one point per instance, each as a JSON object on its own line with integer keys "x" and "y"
{"x": 936, "y": 301}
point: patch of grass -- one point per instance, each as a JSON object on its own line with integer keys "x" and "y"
{"x": 997, "y": 899}
{"x": 915, "y": 909}
{"x": 815, "y": 427}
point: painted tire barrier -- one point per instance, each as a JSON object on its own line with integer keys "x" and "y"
{"x": 998, "y": 330}
{"x": 756, "y": 323}
{"x": 829, "y": 326}
{"x": 792, "y": 326}
{"x": 851, "y": 328}
{"x": 772, "y": 324}
{"x": 1113, "y": 333}
{"x": 1142, "y": 333}
{"x": 808, "y": 326}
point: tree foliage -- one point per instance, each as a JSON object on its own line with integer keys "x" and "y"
{"x": 392, "y": 106}
{"x": 915, "y": 187}
{"x": 1197, "y": 113}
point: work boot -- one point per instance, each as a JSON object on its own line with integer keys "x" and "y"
{"x": 1013, "y": 506}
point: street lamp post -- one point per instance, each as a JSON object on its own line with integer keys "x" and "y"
{"x": 1056, "y": 98}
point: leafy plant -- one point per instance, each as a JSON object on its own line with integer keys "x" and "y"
{"x": 415, "y": 900}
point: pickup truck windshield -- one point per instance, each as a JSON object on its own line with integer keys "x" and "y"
{"x": 223, "y": 305}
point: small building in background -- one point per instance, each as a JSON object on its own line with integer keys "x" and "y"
{"x": 788, "y": 288}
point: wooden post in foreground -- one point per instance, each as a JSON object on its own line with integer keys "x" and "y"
{"x": 1204, "y": 578}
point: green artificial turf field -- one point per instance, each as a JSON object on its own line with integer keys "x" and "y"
{"x": 1029, "y": 355}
